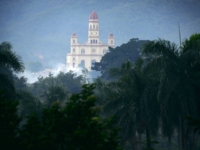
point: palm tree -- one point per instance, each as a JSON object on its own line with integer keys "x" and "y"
{"x": 179, "y": 80}
{"x": 162, "y": 60}
{"x": 124, "y": 97}
{"x": 9, "y": 59}
{"x": 9, "y": 62}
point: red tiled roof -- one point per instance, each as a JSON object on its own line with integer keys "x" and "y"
{"x": 93, "y": 16}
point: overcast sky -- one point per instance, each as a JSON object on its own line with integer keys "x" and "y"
{"x": 40, "y": 30}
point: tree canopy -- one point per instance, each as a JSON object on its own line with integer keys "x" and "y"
{"x": 116, "y": 56}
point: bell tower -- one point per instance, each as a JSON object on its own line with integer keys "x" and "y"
{"x": 93, "y": 29}
{"x": 74, "y": 39}
{"x": 83, "y": 56}
{"x": 111, "y": 40}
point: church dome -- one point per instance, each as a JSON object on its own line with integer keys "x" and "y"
{"x": 93, "y": 16}
{"x": 111, "y": 35}
{"x": 74, "y": 34}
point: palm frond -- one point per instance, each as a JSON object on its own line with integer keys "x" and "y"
{"x": 10, "y": 59}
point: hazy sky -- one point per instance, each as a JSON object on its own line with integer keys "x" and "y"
{"x": 40, "y": 30}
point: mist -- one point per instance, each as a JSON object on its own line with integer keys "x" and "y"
{"x": 32, "y": 77}
{"x": 148, "y": 77}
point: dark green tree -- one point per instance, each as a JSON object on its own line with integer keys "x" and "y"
{"x": 55, "y": 93}
{"x": 179, "y": 79}
{"x": 75, "y": 126}
{"x": 124, "y": 97}
{"x": 9, "y": 122}
{"x": 116, "y": 56}
{"x": 9, "y": 62}
{"x": 69, "y": 82}
{"x": 28, "y": 104}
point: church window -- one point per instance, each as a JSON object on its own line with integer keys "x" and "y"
{"x": 93, "y": 41}
{"x": 73, "y": 50}
{"x": 73, "y": 41}
{"x": 74, "y": 59}
{"x": 93, "y": 50}
{"x": 93, "y": 26}
{"x": 73, "y": 65}
{"x": 96, "y": 41}
{"x": 90, "y": 26}
{"x": 111, "y": 41}
{"x": 82, "y": 51}
{"x": 82, "y": 64}
{"x": 97, "y": 26}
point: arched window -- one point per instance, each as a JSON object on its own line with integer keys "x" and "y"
{"x": 82, "y": 64}
{"x": 73, "y": 65}
{"x": 82, "y": 51}
{"x": 93, "y": 50}
{"x": 111, "y": 41}
{"x": 96, "y": 41}
{"x": 93, "y": 26}
{"x": 73, "y": 41}
{"x": 93, "y": 62}
{"x": 91, "y": 41}
{"x": 97, "y": 26}
{"x": 90, "y": 26}
{"x": 73, "y": 50}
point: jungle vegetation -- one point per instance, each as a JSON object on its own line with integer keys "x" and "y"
{"x": 146, "y": 98}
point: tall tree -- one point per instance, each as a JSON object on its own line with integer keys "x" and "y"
{"x": 178, "y": 82}
{"x": 124, "y": 97}
{"x": 9, "y": 122}
{"x": 74, "y": 126}
{"x": 116, "y": 56}
{"x": 9, "y": 62}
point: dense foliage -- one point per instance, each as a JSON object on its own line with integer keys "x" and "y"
{"x": 154, "y": 96}
{"x": 116, "y": 56}
{"x": 55, "y": 117}
{"x": 74, "y": 126}
{"x": 151, "y": 87}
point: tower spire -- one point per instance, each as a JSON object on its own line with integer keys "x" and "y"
{"x": 93, "y": 30}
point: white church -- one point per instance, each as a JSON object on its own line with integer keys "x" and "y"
{"x": 85, "y": 55}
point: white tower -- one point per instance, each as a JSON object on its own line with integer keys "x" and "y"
{"x": 85, "y": 55}
{"x": 111, "y": 40}
{"x": 74, "y": 39}
{"x": 93, "y": 29}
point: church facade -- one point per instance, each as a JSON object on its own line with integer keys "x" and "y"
{"x": 85, "y": 55}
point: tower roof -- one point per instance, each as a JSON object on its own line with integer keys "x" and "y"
{"x": 111, "y": 35}
{"x": 93, "y": 16}
{"x": 73, "y": 35}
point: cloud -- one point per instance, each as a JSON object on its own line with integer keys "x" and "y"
{"x": 33, "y": 76}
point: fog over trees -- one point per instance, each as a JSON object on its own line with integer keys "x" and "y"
{"x": 151, "y": 90}
{"x": 144, "y": 94}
